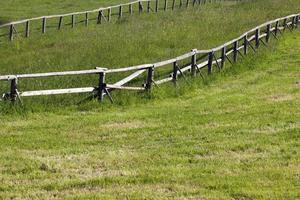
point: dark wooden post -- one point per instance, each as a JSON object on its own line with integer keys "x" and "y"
{"x": 102, "y": 86}
{"x": 130, "y": 9}
{"x": 150, "y": 78}
{"x": 173, "y": 5}
{"x": 296, "y": 21}
{"x": 245, "y": 45}
{"x": 210, "y": 62}
{"x": 187, "y": 3}
{"x": 268, "y": 32}
{"x": 284, "y": 24}
{"x": 120, "y": 12}
{"x": 180, "y": 3}
{"x": 13, "y": 89}
{"x": 11, "y": 32}
{"x": 148, "y": 6}
{"x": 27, "y": 29}
{"x": 174, "y": 75}
{"x": 44, "y": 25}
{"x": 140, "y": 7}
{"x": 223, "y": 57}
{"x": 156, "y": 5}
{"x": 194, "y": 63}
{"x": 194, "y": 2}
{"x": 73, "y": 21}
{"x": 257, "y": 43}
{"x": 99, "y": 18}
{"x": 86, "y": 19}
{"x": 60, "y": 22}
{"x": 235, "y": 50}
{"x": 276, "y": 28}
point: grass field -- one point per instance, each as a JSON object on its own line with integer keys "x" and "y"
{"x": 131, "y": 41}
{"x": 236, "y": 137}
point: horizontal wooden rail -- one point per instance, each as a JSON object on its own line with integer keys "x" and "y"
{"x": 196, "y": 61}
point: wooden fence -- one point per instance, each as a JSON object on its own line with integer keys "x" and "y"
{"x": 197, "y": 60}
{"x": 99, "y": 15}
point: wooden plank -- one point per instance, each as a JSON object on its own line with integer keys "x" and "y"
{"x": 129, "y": 78}
{"x": 57, "y": 91}
{"x": 123, "y": 87}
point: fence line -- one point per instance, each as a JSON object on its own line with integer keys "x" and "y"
{"x": 103, "y": 14}
{"x": 198, "y": 60}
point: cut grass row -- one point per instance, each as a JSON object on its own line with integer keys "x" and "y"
{"x": 235, "y": 137}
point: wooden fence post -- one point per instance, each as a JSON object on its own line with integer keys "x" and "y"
{"x": 150, "y": 76}
{"x": 268, "y": 32}
{"x": 120, "y": 12}
{"x": 13, "y": 89}
{"x": 187, "y": 3}
{"x": 166, "y": 5}
{"x": 174, "y": 75}
{"x": 235, "y": 51}
{"x": 156, "y": 5}
{"x": 257, "y": 43}
{"x": 60, "y": 23}
{"x": 246, "y": 45}
{"x": 130, "y": 9}
{"x": 27, "y": 29}
{"x": 148, "y": 6}
{"x": 210, "y": 62}
{"x": 11, "y": 32}
{"x": 140, "y": 7}
{"x": 173, "y": 4}
{"x": 73, "y": 21}
{"x": 276, "y": 28}
{"x": 86, "y": 19}
{"x": 99, "y": 18}
{"x": 194, "y": 63}
{"x": 102, "y": 86}
{"x": 109, "y": 15}
{"x": 223, "y": 57}
{"x": 44, "y": 25}
{"x": 284, "y": 24}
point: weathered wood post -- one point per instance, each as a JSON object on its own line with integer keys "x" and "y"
{"x": 173, "y": 4}
{"x": 102, "y": 86}
{"x": 235, "y": 50}
{"x": 99, "y": 18}
{"x": 194, "y": 63}
{"x": 73, "y": 21}
{"x": 60, "y": 22}
{"x": 120, "y": 12}
{"x": 268, "y": 32}
{"x": 27, "y": 29}
{"x": 148, "y": 6}
{"x": 109, "y": 14}
{"x": 175, "y": 75}
{"x": 284, "y": 24}
{"x": 223, "y": 56}
{"x": 166, "y": 5}
{"x": 210, "y": 62}
{"x": 276, "y": 28}
{"x": 257, "y": 43}
{"x": 13, "y": 89}
{"x": 11, "y": 32}
{"x": 140, "y": 7}
{"x": 86, "y": 19}
{"x": 130, "y": 9}
{"x": 150, "y": 76}
{"x": 246, "y": 45}
{"x": 156, "y": 5}
{"x": 44, "y": 25}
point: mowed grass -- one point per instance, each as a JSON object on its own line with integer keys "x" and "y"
{"x": 235, "y": 137}
{"x": 139, "y": 39}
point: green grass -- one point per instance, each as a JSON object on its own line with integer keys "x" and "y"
{"x": 235, "y": 137}
{"x": 131, "y": 41}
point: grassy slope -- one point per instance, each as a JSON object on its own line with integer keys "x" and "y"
{"x": 134, "y": 40}
{"x": 19, "y": 9}
{"x": 237, "y": 137}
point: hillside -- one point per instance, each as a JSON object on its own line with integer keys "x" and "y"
{"x": 130, "y": 41}
{"x": 236, "y": 137}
